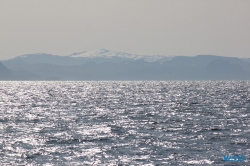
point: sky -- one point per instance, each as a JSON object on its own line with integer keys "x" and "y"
{"x": 145, "y": 27}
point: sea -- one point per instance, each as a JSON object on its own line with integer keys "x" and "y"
{"x": 124, "y": 122}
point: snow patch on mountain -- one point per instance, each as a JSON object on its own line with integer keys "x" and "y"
{"x": 103, "y": 53}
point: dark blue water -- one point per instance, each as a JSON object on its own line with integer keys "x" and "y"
{"x": 126, "y": 123}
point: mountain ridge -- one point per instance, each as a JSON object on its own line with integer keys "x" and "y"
{"x": 111, "y": 65}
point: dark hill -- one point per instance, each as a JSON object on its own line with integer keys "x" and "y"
{"x": 5, "y": 73}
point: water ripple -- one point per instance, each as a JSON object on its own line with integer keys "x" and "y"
{"x": 127, "y": 123}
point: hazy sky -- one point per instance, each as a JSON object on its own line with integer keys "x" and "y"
{"x": 166, "y": 27}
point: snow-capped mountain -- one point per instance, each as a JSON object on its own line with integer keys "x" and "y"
{"x": 98, "y": 56}
{"x": 112, "y": 65}
{"x": 103, "y": 53}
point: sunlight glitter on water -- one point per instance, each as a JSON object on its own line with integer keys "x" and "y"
{"x": 129, "y": 123}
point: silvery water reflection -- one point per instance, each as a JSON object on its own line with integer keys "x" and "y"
{"x": 98, "y": 123}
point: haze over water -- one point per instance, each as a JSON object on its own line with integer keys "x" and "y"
{"x": 128, "y": 123}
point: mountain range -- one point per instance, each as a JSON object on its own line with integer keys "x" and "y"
{"x": 111, "y": 65}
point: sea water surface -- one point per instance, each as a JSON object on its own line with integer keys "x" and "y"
{"x": 124, "y": 123}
